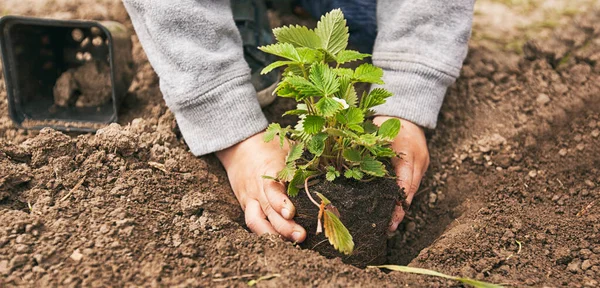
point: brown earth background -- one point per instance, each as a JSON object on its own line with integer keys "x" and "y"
{"x": 512, "y": 194}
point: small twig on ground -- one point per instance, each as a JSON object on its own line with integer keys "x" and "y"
{"x": 586, "y": 208}
{"x": 422, "y": 191}
{"x": 232, "y": 278}
{"x": 74, "y": 188}
{"x": 158, "y": 166}
{"x": 158, "y": 211}
{"x": 313, "y": 248}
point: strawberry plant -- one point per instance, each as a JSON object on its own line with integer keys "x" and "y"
{"x": 334, "y": 136}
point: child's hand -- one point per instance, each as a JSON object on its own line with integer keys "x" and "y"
{"x": 267, "y": 208}
{"x": 411, "y": 167}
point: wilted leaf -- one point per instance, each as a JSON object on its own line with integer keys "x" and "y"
{"x": 337, "y": 234}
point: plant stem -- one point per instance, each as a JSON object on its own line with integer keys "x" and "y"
{"x": 308, "y": 193}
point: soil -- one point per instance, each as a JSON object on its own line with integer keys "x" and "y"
{"x": 88, "y": 85}
{"x": 365, "y": 209}
{"x": 515, "y": 157}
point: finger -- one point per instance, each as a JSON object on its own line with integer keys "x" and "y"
{"x": 396, "y": 218}
{"x": 274, "y": 192}
{"x": 418, "y": 173}
{"x": 404, "y": 173}
{"x": 287, "y": 228}
{"x": 256, "y": 219}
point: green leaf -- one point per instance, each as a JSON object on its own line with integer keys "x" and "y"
{"x": 367, "y": 140}
{"x": 370, "y": 128}
{"x": 287, "y": 173}
{"x": 352, "y": 155}
{"x": 328, "y": 107}
{"x": 303, "y": 86}
{"x": 324, "y": 79}
{"x": 379, "y": 151}
{"x": 269, "y": 177}
{"x": 333, "y": 32}
{"x": 295, "y": 112}
{"x": 284, "y": 89}
{"x": 351, "y": 115}
{"x": 389, "y": 129}
{"x": 331, "y": 173}
{"x": 313, "y": 124}
{"x": 376, "y": 97}
{"x": 274, "y": 65}
{"x": 283, "y": 50}
{"x": 275, "y": 129}
{"x": 337, "y": 233}
{"x": 344, "y": 72}
{"x": 354, "y": 173}
{"x": 317, "y": 144}
{"x": 347, "y": 91}
{"x": 368, "y": 73}
{"x": 422, "y": 271}
{"x": 373, "y": 167}
{"x": 297, "y": 181}
{"x": 308, "y": 55}
{"x": 272, "y": 130}
{"x": 295, "y": 152}
{"x": 349, "y": 56}
{"x": 297, "y": 35}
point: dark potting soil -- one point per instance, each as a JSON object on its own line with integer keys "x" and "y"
{"x": 365, "y": 208}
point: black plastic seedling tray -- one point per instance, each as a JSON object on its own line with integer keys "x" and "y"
{"x": 35, "y": 52}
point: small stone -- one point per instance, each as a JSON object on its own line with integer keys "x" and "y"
{"x": 585, "y": 192}
{"x": 580, "y": 146}
{"x": 595, "y": 133}
{"x": 4, "y": 268}
{"x": 590, "y": 283}
{"x": 589, "y": 183}
{"x": 532, "y": 173}
{"x": 530, "y": 141}
{"x": 593, "y": 124}
{"x": 432, "y": 197}
{"x": 577, "y": 138}
{"x": 22, "y": 248}
{"x": 411, "y": 226}
{"x": 575, "y": 266}
{"x": 76, "y": 255}
{"x": 585, "y": 253}
{"x": 515, "y": 168}
{"x": 542, "y": 99}
{"x": 555, "y": 198}
{"x": 562, "y": 152}
{"x": 17, "y": 261}
{"x": 586, "y": 264}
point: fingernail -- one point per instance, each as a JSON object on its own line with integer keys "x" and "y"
{"x": 296, "y": 236}
{"x": 285, "y": 212}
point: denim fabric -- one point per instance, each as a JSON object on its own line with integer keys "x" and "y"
{"x": 360, "y": 15}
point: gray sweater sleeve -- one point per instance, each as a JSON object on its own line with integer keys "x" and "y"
{"x": 196, "y": 50}
{"x": 421, "y": 46}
